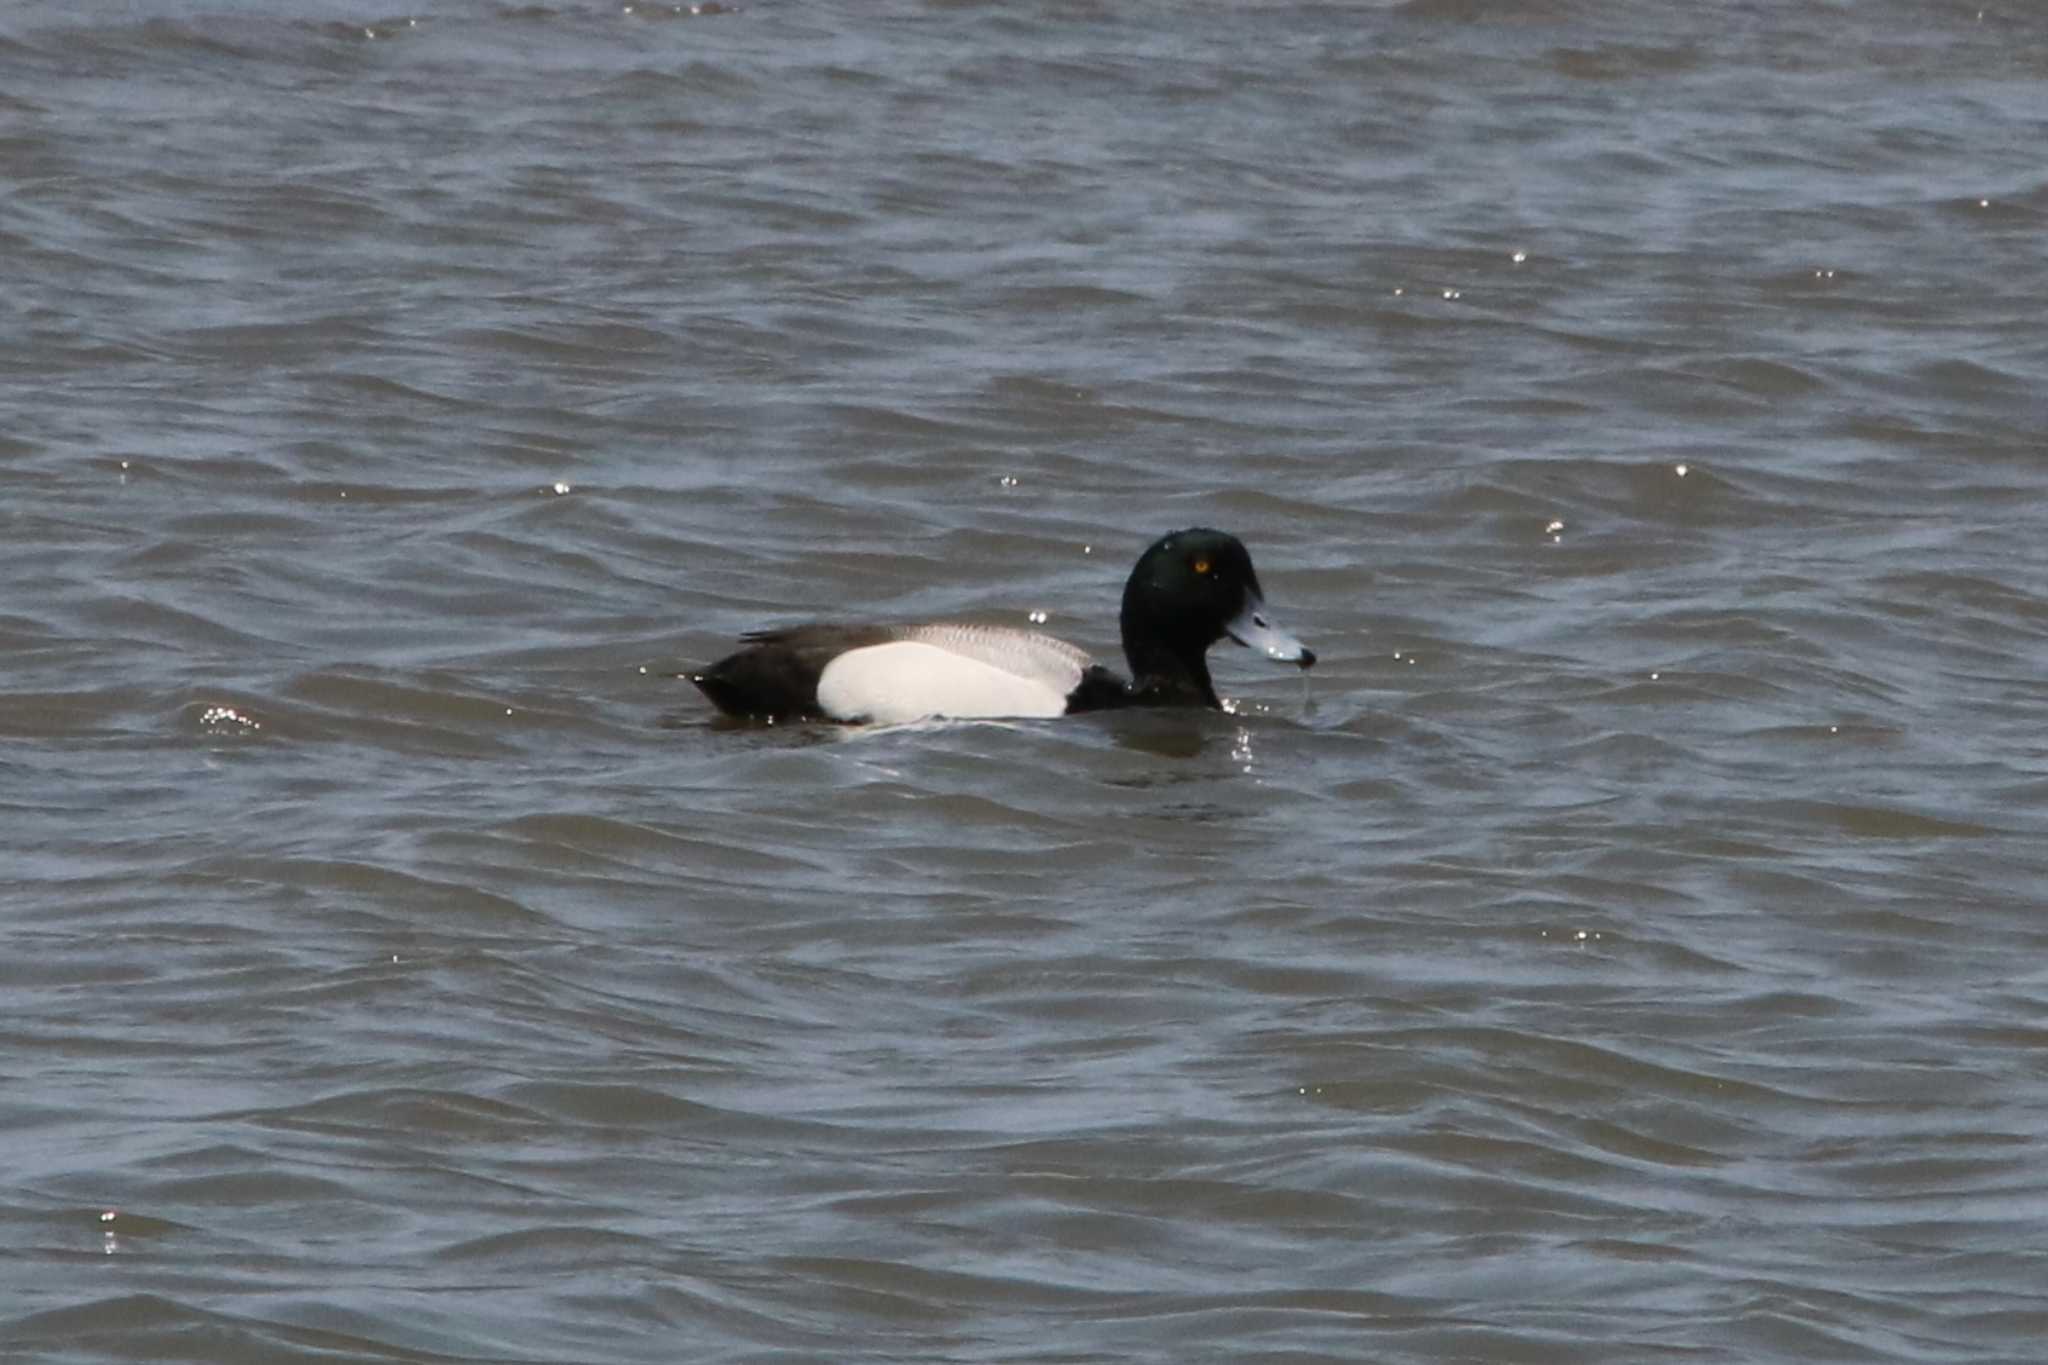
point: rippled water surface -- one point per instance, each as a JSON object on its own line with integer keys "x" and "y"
{"x": 1630, "y": 947}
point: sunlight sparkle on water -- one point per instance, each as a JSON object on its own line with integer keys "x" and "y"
{"x": 1241, "y": 750}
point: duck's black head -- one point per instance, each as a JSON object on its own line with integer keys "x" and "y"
{"x": 1189, "y": 590}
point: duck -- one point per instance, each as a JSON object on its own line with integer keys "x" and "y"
{"x": 1188, "y": 590}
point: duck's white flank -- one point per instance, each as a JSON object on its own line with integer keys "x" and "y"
{"x": 963, "y": 672}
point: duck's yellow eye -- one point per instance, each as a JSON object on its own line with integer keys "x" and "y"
{"x": 1201, "y": 566}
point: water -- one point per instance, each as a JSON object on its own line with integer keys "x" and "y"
{"x": 1629, "y": 949}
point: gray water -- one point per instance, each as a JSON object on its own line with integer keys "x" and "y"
{"x": 1629, "y": 948}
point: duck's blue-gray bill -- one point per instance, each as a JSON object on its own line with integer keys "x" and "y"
{"x": 1254, "y": 628}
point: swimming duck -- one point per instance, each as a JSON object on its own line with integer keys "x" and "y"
{"x": 1189, "y": 590}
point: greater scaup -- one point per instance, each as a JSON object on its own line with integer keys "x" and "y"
{"x": 1189, "y": 590}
